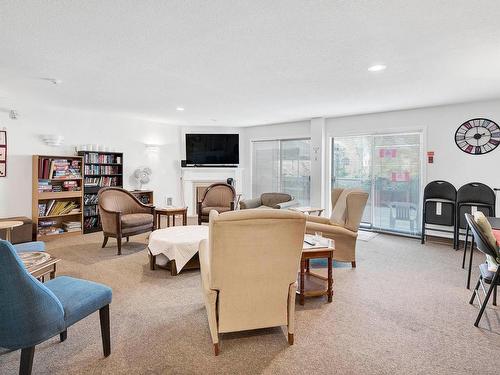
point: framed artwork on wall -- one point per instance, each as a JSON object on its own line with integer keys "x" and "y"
{"x": 3, "y": 153}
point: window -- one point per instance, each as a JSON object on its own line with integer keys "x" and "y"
{"x": 282, "y": 166}
{"x": 389, "y": 168}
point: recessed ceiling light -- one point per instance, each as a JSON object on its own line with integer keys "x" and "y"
{"x": 180, "y": 108}
{"x": 377, "y": 68}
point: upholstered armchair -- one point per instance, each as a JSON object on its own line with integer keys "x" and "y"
{"x": 249, "y": 268}
{"x": 269, "y": 200}
{"x": 342, "y": 226}
{"x": 32, "y": 312}
{"x": 219, "y": 197}
{"x": 123, "y": 215}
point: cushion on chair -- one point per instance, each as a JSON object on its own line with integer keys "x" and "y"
{"x": 141, "y": 229}
{"x": 485, "y": 227}
{"x": 79, "y": 298}
{"x": 272, "y": 199}
{"x": 206, "y": 210}
{"x": 339, "y": 210}
{"x": 30, "y": 246}
{"x": 136, "y": 220}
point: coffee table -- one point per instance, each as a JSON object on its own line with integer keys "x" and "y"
{"x": 47, "y": 265}
{"x": 8, "y": 226}
{"x": 177, "y": 246}
{"x": 312, "y": 284}
{"x": 171, "y": 211}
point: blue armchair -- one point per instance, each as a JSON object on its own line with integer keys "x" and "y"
{"x": 32, "y": 312}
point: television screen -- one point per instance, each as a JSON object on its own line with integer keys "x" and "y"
{"x": 212, "y": 149}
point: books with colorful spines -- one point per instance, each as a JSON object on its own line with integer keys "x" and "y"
{"x": 47, "y": 223}
{"x": 41, "y": 209}
{"x": 50, "y": 204}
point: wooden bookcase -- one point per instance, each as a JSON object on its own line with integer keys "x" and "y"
{"x": 45, "y": 170}
{"x": 106, "y": 169}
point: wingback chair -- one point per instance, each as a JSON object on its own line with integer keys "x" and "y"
{"x": 32, "y": 312}
{"x": 249, "y": 268}
{"x": 123, "y": 215}
{"x": 342, "y": 226}
{"x": 219, "y": 197}
{"x": 269, "y": 200}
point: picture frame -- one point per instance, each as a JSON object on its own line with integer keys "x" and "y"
{"x": 3, "y": 169}
{"x": 3, "y": 154}
{"x": 3, "y": 138}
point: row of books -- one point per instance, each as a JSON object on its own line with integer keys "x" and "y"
{"x": 100, "y": 169}
{"x": 59, "y": 168}
{"x": 89, "y": 199}
{"x": 53, "y": 208}
{"x": 94, "y": 157}
{"x": 49, "y": 186}
{"x": 101, "y": 181}
{"x": 91, "y": 210}
{"x": 91, "y": 222}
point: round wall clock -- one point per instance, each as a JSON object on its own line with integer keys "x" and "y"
{"x": 478, "y": 136}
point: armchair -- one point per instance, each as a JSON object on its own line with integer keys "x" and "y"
{"x": 269, "y": 200}
{"x": 249, "y": 270}
{"x": 342, "y": 226}
{"x": 219, "y": 197}
{"x": 32, "y": 312}
{"x": 123, "y": 215}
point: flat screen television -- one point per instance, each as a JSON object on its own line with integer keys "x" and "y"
{"x": 212, "y": 149}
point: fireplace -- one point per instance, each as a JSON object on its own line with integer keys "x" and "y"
{"x": 196, "y": 180}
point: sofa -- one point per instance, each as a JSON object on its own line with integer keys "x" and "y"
{"x": 269, "y": 200}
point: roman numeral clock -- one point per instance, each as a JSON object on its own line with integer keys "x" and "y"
{"x": 478, "y": 136}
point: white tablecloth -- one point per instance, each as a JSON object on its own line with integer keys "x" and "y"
{"x": 178, "y": 243}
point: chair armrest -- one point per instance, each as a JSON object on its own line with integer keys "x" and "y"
{"x": 250, "y": 203}
{"x": 318, "y": 219}
{"x": 204, "y": 264}
{"x": 288, "y": 204}
{"x": 331, "y": 230}
{"x": 110, "y": 220}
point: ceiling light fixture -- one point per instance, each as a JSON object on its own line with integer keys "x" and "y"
{"x": 377, "y": 68}
{"x": 180, "y": 108}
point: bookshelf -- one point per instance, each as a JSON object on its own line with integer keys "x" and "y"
{"x": 57, "y": 195}
{"x": 101, "y": 169}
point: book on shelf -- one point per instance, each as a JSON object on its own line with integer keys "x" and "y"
{"x": 72, "y": 226}
{"x": 90, "y": 199}
{"x": 95, "y": 170}
{"x": 99, "y": 158}
{"x": 91, "y": 222}
{"x": 101, "y": 181}
{"x": 54, "y": 208}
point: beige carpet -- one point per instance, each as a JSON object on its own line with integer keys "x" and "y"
{"x": 404, "y": 310}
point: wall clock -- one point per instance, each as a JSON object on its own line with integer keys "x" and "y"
{"x": 478, "y": 136}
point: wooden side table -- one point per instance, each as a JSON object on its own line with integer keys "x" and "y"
{"x": 8, "y": 226}
{"x": 171, "y": 211}
{"x": 40, "y": 270}
{"x": 308, "y": 210}
{"x": 312, "y": 284}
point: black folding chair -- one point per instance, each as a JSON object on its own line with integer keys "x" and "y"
{"x": 488, "y": 277}
{"x": 439, "y": 205}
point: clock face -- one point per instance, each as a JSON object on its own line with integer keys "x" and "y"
{"x": 478, "y": 136}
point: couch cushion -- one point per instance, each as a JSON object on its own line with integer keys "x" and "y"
{"x": 79, "y": 298}
{"x": 136, "y": 220}
{"x": 485, "y": 227}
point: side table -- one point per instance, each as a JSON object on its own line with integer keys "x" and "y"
{"x": 171, "y": 211}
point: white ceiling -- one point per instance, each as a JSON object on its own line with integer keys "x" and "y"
{"x": 247, "y": 62}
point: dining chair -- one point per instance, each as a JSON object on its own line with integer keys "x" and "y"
{"x": 32, "y": 312}
{"x": 486, "y": 243}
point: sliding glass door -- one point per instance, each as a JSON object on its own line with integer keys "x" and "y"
{"x": 282, "y": 166}
{"x": 389, "y": 168}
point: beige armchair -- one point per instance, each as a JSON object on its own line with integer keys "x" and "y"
{"x": 249, "y": 268}
{"x": 123, "y": 215}
{"x": 269, "y": 200}
{"x": 219, "y": 197}
{"x": 342, "y": 226}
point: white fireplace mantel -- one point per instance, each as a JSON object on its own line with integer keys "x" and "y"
{"x": 191, "y": 177}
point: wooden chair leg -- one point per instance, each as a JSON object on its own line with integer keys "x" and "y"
{"x": 290, "y": 339}
{"x": 152, "y": 262}
{"x": 105, "y": 330}
{"x": 128, "y": 239}
{"x": 216, "y": 349}
{"x": 105, "y": 241}
{"x": 119, "y": 241}
{"x": 63, "y": 335}
{"x": 353, "y": 264}
{"x": 26, "y": 364}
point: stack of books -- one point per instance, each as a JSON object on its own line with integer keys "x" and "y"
{"x": 72, "y": 226}
{"x": 59, "y": 168}
{"x": 48, "y": 228}
{"x": 44, "y": 186}
{"x": 71, "y": 185}
{"x": 91, "y": 222}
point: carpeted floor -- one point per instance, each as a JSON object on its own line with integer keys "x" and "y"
{"x": 403, "y": 310}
